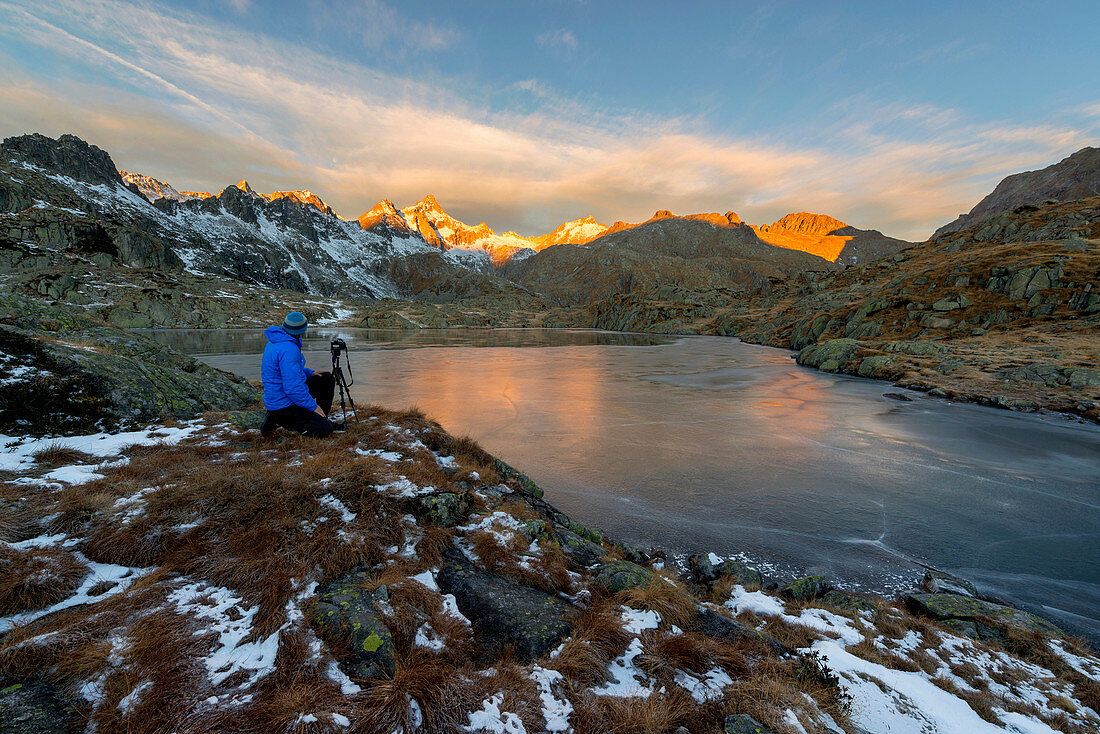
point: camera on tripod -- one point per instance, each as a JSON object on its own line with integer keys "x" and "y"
{"x": 343, "y": 383}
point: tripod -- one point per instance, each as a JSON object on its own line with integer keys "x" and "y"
{"x": 343, "y": 384}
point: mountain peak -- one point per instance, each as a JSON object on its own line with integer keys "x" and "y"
{"x": 243, "y": 186}
{"x": 383, "y": 214}
{"x": 805, "y": 223}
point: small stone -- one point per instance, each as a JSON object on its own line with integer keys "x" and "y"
{"x": 744, "y": 724}
{"x": 621, "y": 575}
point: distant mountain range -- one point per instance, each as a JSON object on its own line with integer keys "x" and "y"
{"x": 816, "y": 234}
{"x": 66, "y": 195}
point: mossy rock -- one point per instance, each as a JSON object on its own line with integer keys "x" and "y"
{"x": 806, "y": 588}
{"x": 622, "y": 575}
{"x": 829, "y": 356}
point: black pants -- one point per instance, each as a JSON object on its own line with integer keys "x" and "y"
{"x": 306, "y": 422}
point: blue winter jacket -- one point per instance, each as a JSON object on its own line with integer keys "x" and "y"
{"x": 284, "y": 372}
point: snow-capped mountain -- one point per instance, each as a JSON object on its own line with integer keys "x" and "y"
{"x": 440, "y": 229}
{"x": 284, "y": 239}
{"x": 154, "y": 189}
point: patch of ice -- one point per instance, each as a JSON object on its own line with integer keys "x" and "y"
{"x": 705, "y": 688}
{"x": 391, "y": 456}
{"x": 427, "y": 578}
{"x": 17, "y": 452}
{"x": 756, "y": 602}
{"x": 121, "y": 576}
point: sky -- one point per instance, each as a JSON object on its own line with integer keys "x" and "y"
{"x": 895, "y": 116}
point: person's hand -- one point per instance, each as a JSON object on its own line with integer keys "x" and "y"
{"x": 326, "y": 372}
{"x": 320, "y": 412}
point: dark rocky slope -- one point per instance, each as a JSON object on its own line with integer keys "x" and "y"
{"x": 1074, "y": 177}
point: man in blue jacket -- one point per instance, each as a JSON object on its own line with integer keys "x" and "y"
{"x": 296, "y": 397}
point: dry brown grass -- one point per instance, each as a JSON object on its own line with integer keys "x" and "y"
{"x": 664, "y": 597}
{"x": 656, "y": 714}
{"x": 36, "y": 578}
{"x": 598, "y": 638}
{"x": 59, "y": 454}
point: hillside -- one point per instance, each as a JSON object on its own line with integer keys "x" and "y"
{"x": 200, "y": 577}
{"x": 1074, "y": 177}
{"x": 691, "y": 252}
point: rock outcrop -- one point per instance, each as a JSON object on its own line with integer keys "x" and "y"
{"x": 75, "y": 374}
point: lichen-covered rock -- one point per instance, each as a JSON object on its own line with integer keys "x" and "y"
{"x": 85, "y": 375}
{"x": 504, "y": 614}
{"x": 847, "y": 601}
{"x": 621, "y": 575}
{"x": 875, "y": 366}
{"x": 444, "y": 509}
{"x": 806, "y": 588}
{"x": 744, "y": 724}
{"x": 521, "y": 481}
{"x": 969, "y": 609}
{"x": 581, "y": 552}
{"x": 346, "y": 611}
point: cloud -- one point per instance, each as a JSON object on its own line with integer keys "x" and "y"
{"x": 240, "y": 6}
{"x": 201, "y": 106}
{"x": 560, "y": 38}
{"x": 382, "y": 28}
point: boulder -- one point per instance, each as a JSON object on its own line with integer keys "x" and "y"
{"x": 806, "y": 588}
{"x": 744, "y": 724}
{"x": 621, "y": 575}
{"x": 705, "y": 571}
{"x": 505, "y": 614}
{"x": 346, "y": 611}
{"x": 968, "y": 609}
{"x": 710, "y": 623}
{"x": 939, "y": 582}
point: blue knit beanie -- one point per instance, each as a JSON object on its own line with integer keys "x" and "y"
{"x": 295, "y": 324}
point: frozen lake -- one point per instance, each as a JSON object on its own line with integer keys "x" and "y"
{"x": 707, "y": 444}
